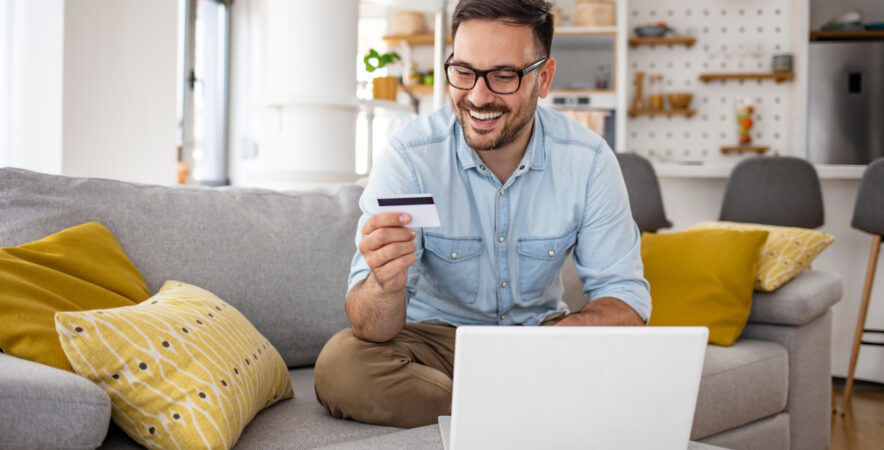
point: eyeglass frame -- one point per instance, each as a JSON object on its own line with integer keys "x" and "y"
{"x": 484, "y": 74}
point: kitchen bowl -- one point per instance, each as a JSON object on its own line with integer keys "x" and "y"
{"x": 680, "y": 100}
{"x": 651, "y": 31}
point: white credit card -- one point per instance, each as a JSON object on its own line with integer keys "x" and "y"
{"x": 420, "y": 207}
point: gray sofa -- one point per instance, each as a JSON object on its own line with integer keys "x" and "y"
{"x": 282, "y": 259}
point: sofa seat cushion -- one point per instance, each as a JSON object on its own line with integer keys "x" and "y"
{"x": 740, "y": 384}
{"x": 799, "y": 301}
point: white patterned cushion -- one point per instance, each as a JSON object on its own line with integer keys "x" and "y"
{"x": 787, "y": 252}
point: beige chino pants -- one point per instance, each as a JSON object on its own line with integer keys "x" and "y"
{"x": 405, "y": 382}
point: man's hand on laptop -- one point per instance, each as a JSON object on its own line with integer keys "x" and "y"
{"x": 388, "y": 248}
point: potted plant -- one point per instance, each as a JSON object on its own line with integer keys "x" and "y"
{"x": 383, "y": 88}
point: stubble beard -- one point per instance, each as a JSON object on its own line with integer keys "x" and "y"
{"x": 511, "y": 129}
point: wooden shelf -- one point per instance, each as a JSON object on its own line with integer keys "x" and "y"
{"x": 778, "y": 77}
{"x": 662, "y": 112}
{"x": 846, "y": 35}
{"x": 760, "y": 149}
{"x": 418, "y": 89}
{"x": 581, "y": 91}
{"x": 571, "y": 31}
{"x": 687, "y": 41}
{"x": 423, "y": 39}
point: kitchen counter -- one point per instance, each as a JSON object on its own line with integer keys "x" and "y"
{"x": 825, "y": 171}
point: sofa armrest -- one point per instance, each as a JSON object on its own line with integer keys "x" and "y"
{"x": 798, "y": 302}
{"x": 45, "y": 407}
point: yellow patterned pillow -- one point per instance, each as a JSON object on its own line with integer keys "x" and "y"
{"x": 183, "y": 369}
{"x": 786, "y": 253}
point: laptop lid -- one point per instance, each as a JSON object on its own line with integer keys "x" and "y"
{"x": 575, "y": 387}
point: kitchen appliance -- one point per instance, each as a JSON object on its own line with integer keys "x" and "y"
{"x": 846, "y": 123}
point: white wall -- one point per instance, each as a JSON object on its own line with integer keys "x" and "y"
{"x": 691, "y": 200}
{"x": 120, "y": 73}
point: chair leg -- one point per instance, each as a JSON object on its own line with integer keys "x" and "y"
{"x": 861, "y": 320}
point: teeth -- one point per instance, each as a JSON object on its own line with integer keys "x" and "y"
{"x": 485, "y": 116}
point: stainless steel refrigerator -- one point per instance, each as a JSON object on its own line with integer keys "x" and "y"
{"x": 846, "y": 102}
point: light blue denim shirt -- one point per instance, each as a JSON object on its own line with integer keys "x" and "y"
{"x": 498, "y": 255}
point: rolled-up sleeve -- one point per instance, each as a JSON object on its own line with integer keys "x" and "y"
{"x": 608, "y": 250}
{"x": 392, "y": 174}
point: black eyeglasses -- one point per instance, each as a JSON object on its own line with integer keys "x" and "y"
{"x": 499, "y": 81}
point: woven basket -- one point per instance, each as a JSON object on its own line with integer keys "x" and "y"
{"x": 408, "y": 23}
{"x": 595, "y": 13}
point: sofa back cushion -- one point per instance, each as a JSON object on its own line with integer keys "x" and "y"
{"x": 280, "y": 258}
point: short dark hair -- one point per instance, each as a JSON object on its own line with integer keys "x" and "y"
{"x": 535, "y": 13}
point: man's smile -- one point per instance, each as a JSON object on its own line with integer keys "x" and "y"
{"x": 484, "y": 121}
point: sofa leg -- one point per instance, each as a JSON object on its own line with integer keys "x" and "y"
{"x": 861, "y": 321}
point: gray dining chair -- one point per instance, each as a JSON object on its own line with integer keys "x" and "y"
{"x": 773, "y": 190}
{"x": 643, "y": 188}
{"x": 868, "y": 216}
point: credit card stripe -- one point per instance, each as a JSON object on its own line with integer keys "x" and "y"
{"x": 405, "y": 201}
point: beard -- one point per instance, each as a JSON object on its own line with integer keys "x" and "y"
{"x": 486, "y": 140}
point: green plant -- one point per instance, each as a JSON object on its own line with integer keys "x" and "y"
{"x": 374, "y": 60}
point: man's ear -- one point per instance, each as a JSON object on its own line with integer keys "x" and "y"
{"x": 547, "y": 73}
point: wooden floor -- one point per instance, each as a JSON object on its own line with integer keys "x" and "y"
{"x": 862, "y": 427}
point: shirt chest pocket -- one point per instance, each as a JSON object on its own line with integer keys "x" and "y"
{"x": 451, "y": 266}
{"x": 540, "y": 259}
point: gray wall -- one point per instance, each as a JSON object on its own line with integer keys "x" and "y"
{"x": 821, "y": 11}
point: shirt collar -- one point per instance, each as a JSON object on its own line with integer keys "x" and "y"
{"x": 535, "y": 152}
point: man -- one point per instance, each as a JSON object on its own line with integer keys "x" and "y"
{"x": 516, "y": 187}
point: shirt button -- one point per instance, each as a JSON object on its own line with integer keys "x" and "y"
{"x": 501, "y": 239}
{"x": 454, "y": 256}
{"x": 502, "y": 192}
{"x": 521, "y": 167}
{"x": 503, "y": 284}
{"x": 552, "y": 253}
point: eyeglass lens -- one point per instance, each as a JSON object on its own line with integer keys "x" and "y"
{"x": 499, "y": 81}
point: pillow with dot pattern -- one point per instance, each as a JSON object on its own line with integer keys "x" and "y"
{"x": 183, "y": 369}
{"x": 786, "y": 252}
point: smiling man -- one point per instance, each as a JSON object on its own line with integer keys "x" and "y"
{"x": 517, "y": 187}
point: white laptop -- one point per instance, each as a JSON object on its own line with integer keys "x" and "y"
{"x": 574, "y": 387}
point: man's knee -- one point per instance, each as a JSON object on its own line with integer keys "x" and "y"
{"x": 341, "y": 365}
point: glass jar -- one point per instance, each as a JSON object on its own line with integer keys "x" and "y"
{"x": 655, "y": 92}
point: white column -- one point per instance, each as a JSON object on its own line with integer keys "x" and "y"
{"x": 35, "y": 85}
{"x": 302, "y": 113}
{"x": 5, "y": 75}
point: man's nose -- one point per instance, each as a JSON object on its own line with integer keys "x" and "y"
{"x": 480, "y": 94}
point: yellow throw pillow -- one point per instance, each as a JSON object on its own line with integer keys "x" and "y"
{"x": 82, "y": 267}
{"x": 183, "y": 369}
{"x": 702, "y": 278}
{"x": 786, "y": 253}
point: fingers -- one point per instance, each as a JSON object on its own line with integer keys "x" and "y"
{"x": 384, "y": 220}
{"x": 394, "y": 274}
{"x": 388, "y": 248}
{"x": 389, "y": 252}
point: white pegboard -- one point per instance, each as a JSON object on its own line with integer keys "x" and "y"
{"x": 732, "y": 36}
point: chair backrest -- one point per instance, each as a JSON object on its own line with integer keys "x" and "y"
{"x": 868, "y": 213}
{"x": 645, "y": 199}
{"x": 774, "y": 190}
